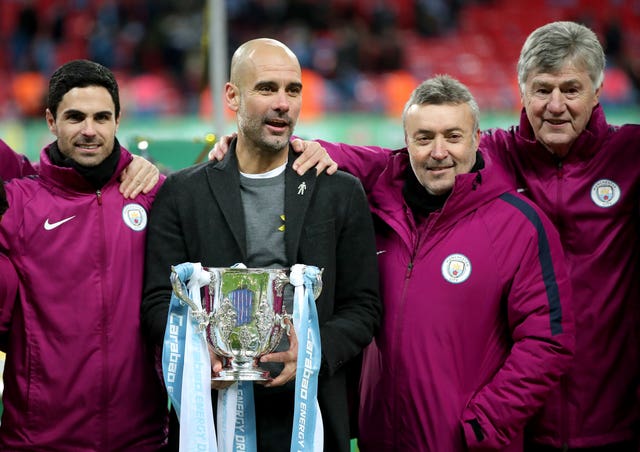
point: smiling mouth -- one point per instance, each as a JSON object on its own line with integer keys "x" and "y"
{"x": 88, "y": 148}
{"x": 439, "y": 168}
{"x": 555, "y": 122}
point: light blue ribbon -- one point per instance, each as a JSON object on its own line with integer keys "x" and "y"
{"x": 245, "y": 438}
{"x": 174, "y": 340}
{"x": 185, "y": 362}
{"x": 307, "y": 422}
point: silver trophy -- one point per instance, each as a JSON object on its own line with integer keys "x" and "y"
{"x": 243, "y": 315}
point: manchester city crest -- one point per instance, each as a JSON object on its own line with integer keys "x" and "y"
{"x": 456, "y": 268}
{"x": 605, "y": 193}
{"x": 134, "y": 216}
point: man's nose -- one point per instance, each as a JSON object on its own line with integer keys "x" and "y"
{"x": 439, "y": 151}
{"x": 556, "y": 101}
{"x": 281, "y": 101}
{"x": 88, "y": 127}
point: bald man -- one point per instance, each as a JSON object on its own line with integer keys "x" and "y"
{"x": 252, "y": 207}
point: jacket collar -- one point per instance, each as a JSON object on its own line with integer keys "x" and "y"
{"x": 470, "y": 191}
{"x": 586, "y": 145}
{"x": 224, "y": 181}
{"x": 68, "y": 179}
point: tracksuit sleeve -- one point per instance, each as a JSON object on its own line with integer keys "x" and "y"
{"x": 12, "y": 164}
{"x": 541, "y": 325}
{"x": 364, "y": 162}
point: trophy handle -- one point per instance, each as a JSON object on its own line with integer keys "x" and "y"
{"x": 286, "y": 326}
{"x": 280, "y": 281}
{"x": 196, "y": 312}
{"x": 177, "y": 286}
{"x": 317, "y": 289}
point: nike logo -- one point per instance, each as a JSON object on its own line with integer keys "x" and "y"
{"x": 521, "y": 190}
{"x": 49, "y": 226}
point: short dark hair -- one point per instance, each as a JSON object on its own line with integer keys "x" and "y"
{"x": 4, "y": 205}
{"x": 80, "y": 74}
{"x": 443, "y": 89}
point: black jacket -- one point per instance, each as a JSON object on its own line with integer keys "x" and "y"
{"x": 198, "y": 217}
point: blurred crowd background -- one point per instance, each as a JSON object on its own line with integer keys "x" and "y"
{"x": 361, "y": 59}
{"x": 358, "y": 55}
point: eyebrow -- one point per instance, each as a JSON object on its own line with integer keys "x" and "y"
{"x": 270, "y": 83}
{"x": 449, "y": 130}
{"x": 573, "y": 81}
{"x": 74, "y": 112}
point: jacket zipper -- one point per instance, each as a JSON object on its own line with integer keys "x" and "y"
{"x": 397, "y": 335}
{"x": 564, "y": 409}
{"x": 559, "y": 174}
{"x": 414, "y": 253}
{"x": 104, "y": 339}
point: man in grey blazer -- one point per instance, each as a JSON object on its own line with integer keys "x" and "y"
{"x": 253, "y": 208}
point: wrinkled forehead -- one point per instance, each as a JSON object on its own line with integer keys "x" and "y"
{"x": 575, "y": 68}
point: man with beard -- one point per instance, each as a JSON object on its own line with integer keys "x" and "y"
{"x": 253, "y": 208}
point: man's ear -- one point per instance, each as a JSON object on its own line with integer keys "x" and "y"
{"x": 232, "y": 96}
{"x": 51, "y": 122}
{"x": 598, "y": 92}
{"x": 478, "y": 138}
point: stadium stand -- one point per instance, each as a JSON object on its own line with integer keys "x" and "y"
{"x": 359, "y": 55}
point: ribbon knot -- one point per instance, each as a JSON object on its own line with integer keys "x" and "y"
{"x": 296, "y": 277}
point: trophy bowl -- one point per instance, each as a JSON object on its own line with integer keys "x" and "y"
{"x": 246, "y": 318}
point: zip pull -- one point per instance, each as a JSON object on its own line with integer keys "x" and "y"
{"x": 409, "y": 269}
{"x": 99, "y": 195}
{"x": 416, "y": 245}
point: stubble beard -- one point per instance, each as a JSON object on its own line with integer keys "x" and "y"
{"x": 253, "y": 130}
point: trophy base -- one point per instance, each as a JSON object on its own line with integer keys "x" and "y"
{"x": 253, "y": 374}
